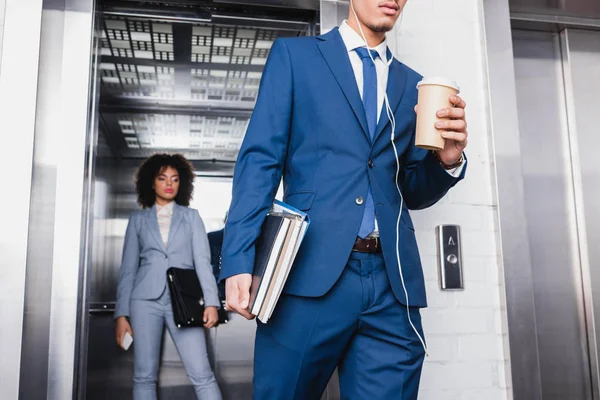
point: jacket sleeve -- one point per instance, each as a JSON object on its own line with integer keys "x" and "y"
{"x": 260, "y": 163}
{"x": 423, "y": 180}
{"x": 129, "y": 265}
{"x": 201, "y": 254}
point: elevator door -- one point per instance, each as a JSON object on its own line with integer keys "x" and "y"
{"x": 556, "y": 76}
{"x": 177, "y": 80}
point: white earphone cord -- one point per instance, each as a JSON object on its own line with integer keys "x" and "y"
{"x": 390, "y": 115}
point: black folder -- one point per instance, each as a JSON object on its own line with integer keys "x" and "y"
{"x": 187, "y": 299}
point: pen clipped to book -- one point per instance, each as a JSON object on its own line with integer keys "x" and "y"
{"x": 280, "y": 238}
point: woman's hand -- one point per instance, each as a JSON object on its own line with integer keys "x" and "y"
{"x": 122, "y": 327}
{"x": 211, "y": 316}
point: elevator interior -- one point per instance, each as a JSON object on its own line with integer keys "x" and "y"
{"x": 182, "y": 78}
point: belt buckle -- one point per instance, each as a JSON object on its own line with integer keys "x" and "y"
{"x": 366, "y": 246}
{"x": 374, "y": 249}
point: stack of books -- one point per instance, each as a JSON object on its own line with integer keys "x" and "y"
{"x": 281, "y": 236}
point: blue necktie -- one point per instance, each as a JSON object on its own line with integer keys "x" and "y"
{"x": 370, "y": 103}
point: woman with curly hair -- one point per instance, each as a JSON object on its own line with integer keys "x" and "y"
{"x": 166, "y": 233}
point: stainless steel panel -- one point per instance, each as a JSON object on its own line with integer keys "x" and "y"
{"x": 108, "y": 370}
{"x": 449, "y": 249}
{"x": 582, "y": 8}
{"x": 36, "y": 313}
{"x": 56, "y": 248}
{"x": 18, "y": 92}
{"x": 77, "y": 22}
{"x": 582, "y": 57}
{"x": 524, "y": 370}
{"x": 553, "y": 23}
{"x": 551, "y": 219}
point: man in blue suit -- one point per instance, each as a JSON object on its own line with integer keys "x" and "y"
{"x": 320, "y": 123}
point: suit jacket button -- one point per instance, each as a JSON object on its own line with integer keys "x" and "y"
{"x": 359, "y": 200}
{"x": 166, "y": 256}
{"x": 370, "y": 163}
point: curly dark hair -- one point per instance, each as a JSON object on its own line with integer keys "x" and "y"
{"x": 152, "y": 167}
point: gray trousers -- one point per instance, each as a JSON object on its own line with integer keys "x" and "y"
{"x": 148, "y": 318}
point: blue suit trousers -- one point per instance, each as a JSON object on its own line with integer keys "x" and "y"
{"x": 358, "y": 326}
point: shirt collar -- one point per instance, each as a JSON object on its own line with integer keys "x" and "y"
{"x": 353, "y": 40}
{"x": 168, "y": 208}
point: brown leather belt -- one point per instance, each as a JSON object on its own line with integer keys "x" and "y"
{"x": 367, "y": 245}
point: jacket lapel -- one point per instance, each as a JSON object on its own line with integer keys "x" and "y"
{"x": 175, "y": 222}
{"x": 154, "y": 229}
{"x": 395, "y": 88}
{"x": 334, "y": 52}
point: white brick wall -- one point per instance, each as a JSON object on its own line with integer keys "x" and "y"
{"x": 2, "y": 7}
{"x": 465, "y": 331}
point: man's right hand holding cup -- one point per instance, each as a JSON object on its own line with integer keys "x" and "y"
{"x": 237, "y": 293}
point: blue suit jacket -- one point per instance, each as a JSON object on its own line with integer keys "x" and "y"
{"x": 309, "y": 126}
{"x": 145, "y": 260}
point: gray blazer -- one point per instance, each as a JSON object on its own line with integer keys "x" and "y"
{"x": 146, "y": 260}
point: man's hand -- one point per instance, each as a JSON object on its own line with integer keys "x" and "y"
{"x": 454, "y": 130}
{"x": 237, "y": 293}
{"x": 211, "y": 316}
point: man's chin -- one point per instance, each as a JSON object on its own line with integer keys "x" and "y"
{"x": 382, "y": 27}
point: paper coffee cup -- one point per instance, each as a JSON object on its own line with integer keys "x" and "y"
{"x": 434, "y": 95}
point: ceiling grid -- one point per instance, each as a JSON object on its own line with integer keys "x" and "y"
{"x": 181, "y": 86}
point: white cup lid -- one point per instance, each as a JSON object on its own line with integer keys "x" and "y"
{"x": 438, "y": 81}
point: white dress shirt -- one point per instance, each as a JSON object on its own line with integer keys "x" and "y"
{"x": 353, "y": 40}
{"x": 164, "y": 215}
